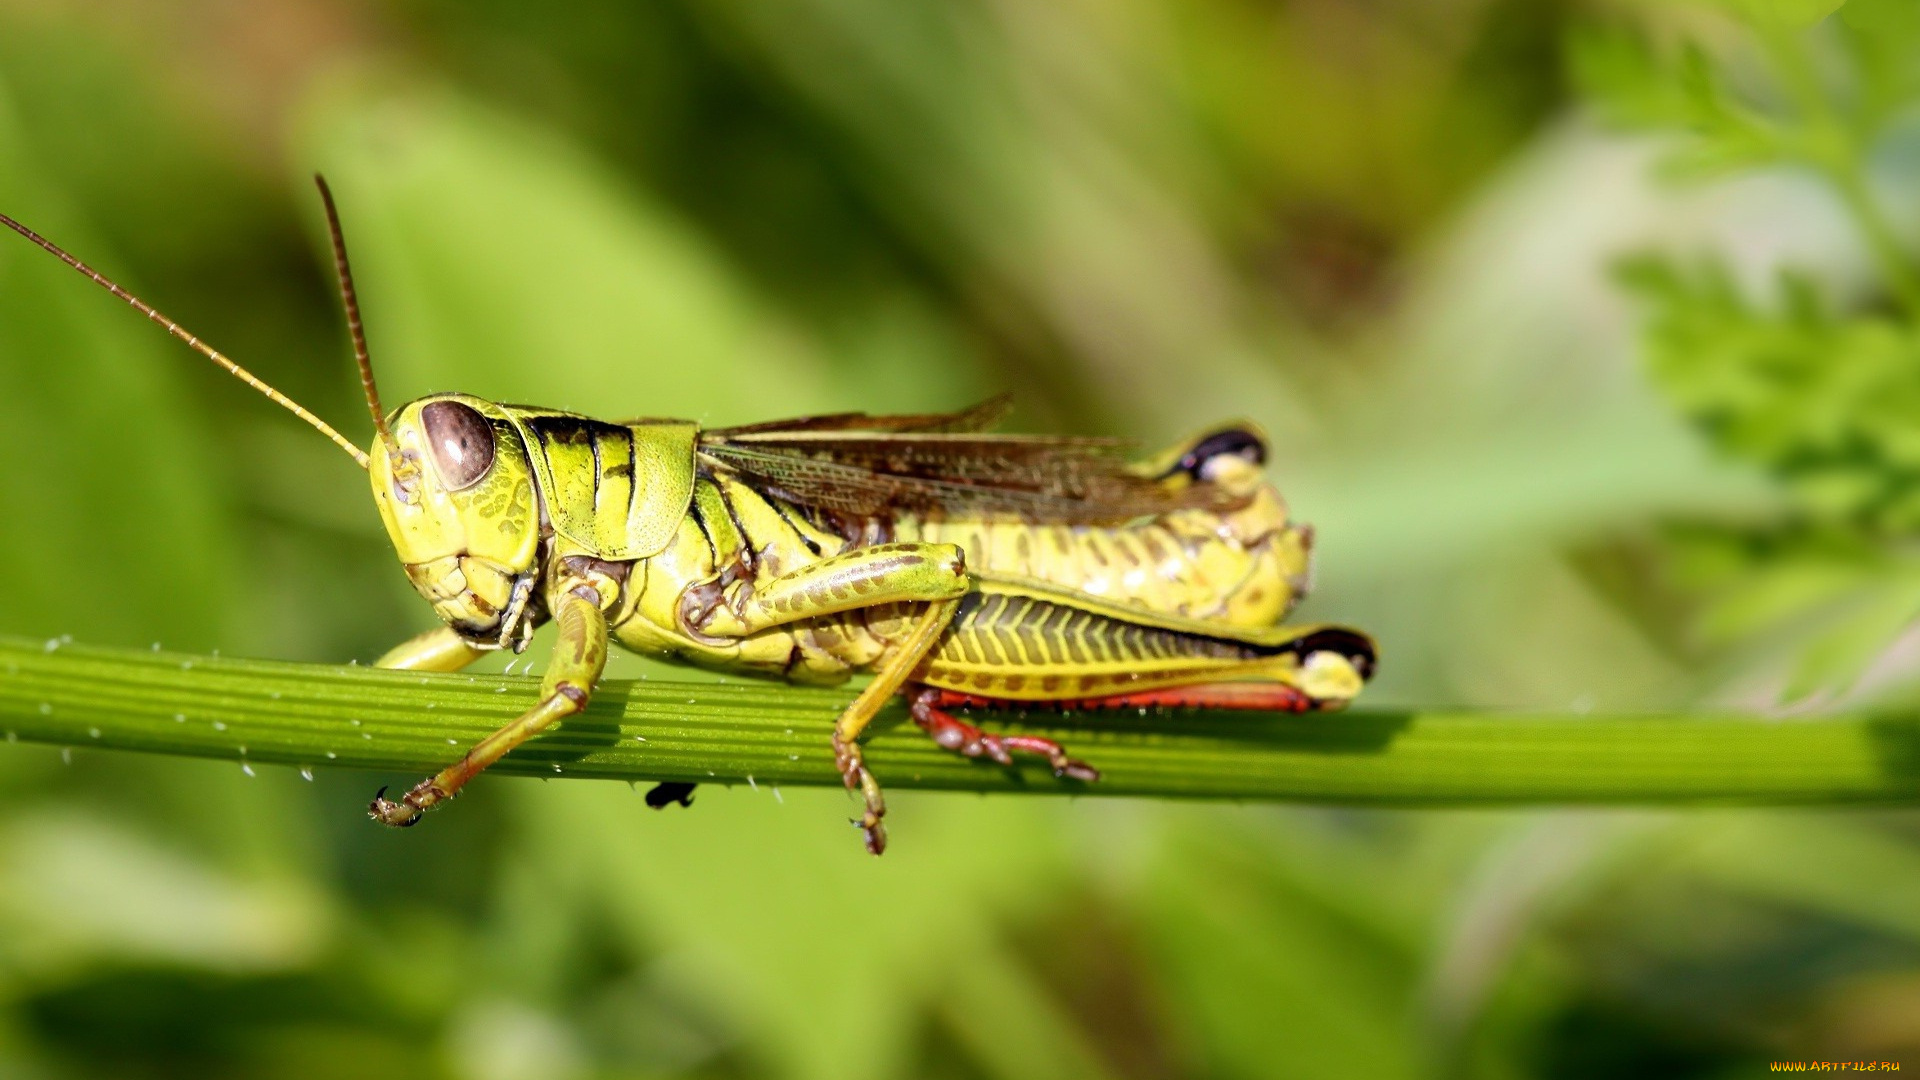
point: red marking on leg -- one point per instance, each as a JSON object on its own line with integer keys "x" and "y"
{"x": 952, "y": 733}
{"x": 1055, "y": 754}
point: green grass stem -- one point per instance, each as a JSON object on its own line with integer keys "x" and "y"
{"x": 315, "y": 715}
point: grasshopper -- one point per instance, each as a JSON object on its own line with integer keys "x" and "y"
{"x": 960, "y": 568}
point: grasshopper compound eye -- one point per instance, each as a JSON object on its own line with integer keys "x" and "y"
{"x": 461, "y": 441}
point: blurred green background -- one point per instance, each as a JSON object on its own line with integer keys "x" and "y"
{"x": 1390, "y": 231}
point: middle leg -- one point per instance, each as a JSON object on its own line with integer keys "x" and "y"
{"x": 886, "y": 682}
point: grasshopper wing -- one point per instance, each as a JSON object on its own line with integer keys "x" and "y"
{"x": 982, "y": 417}
{"x": 943, "y": 464}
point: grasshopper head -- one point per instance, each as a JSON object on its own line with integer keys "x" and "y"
{"x": 450, "y": 475}
{"x": 454, "y": 486}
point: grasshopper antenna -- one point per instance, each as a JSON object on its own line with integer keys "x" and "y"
{"x": 352, "y": 303}
{"x": 193, "y": 342}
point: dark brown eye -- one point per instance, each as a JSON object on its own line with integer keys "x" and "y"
{"x": 461, "y": 440}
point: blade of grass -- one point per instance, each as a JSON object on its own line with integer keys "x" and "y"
{"x": 315, "y": 715}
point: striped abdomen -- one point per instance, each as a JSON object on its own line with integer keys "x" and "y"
{"x": 1009, "y": 642}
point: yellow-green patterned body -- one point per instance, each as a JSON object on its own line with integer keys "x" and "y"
{"x": 960, "y": 567}
{"x": 1053, "y": 611}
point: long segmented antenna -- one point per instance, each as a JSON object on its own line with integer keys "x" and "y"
{"x": 194, "y": 343}
{"x": 352, "y": 302}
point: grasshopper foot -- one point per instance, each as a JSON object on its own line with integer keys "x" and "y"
{"x": 407, "y": 810}
{"x": 853, "y": 770}
{"x": 386, "y": 811}
{"x": 872, "y": 831}
{"x": 952, "y": 733}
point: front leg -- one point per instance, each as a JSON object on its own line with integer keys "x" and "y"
{"x": 578, "y": 657}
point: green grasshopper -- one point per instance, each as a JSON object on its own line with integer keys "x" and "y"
{"x": 963, "y": 569}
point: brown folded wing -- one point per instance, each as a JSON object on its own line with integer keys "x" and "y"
{"x": 876, "y": 466}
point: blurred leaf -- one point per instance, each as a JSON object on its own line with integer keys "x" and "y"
{"x": 1269, "y": 982}
{"x": 1824, "y": 402}
{"x": 1783, "y": 14}
{"x": 1838, "y": 656}
{"x": 1060, "y": 229}
{"x": 1010, "y": 1024}
{"x": 1813, "y": 860}
{"x": 1881, "y": 16}
{"x": 118, "y": 474}
{"x": 1884, "y": 37}
{"x": 500, "y": 261}
{"x": 766, "y": 910}
{"x": 503, "y": 1040}
{"x": 1538, "y": 868}
{"x": 1636, "y": 88}
{"x": 1760, "y": 580}
{"x": 81, "y": 890}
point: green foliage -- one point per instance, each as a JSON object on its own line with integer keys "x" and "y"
{"x": 1781, "y": 92}
{"x": 1824, "y": 402}
{"x": 1632, "y": 86}
{"x": 1824, "y": 396}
